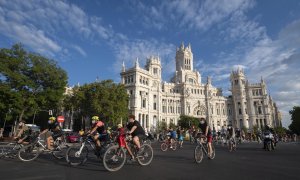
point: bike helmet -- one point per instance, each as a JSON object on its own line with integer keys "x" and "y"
{"x": 52, "y": 118}
{"x": 96, "y": 118}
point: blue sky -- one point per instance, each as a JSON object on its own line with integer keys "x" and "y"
{"x": 90, "y": 39}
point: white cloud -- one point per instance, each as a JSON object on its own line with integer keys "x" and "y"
{"x": 41, "y": 25}
{"x": 80, "y": 50}
{"x": 129, "y": 50}
{"x": 200, "y": 15}
{"x": 277, "y": 61}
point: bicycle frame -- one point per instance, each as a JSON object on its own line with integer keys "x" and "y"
{"x": 203, "y": 146}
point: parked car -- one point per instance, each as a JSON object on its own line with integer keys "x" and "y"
{"x": 34, "y": 127}
{"x": 73, "y": 137}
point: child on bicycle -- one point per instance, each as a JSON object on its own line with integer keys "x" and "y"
{"x": 121, "y": 140}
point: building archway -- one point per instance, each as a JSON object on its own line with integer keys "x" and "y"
{"x": 200, "y": 111}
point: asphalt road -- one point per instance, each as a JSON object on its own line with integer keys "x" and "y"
{"x": 248, "y": 162}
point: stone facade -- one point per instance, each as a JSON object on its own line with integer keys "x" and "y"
{"x": 152, "y": 100}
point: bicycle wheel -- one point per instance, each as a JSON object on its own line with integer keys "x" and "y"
{"x": 114, "y": 158}
{"x": 60, "y": 151}
{"x": 164, "y": 147}
{"x": 213, "y": 155}
{"x": 147, "y": 141}
{"x": 74, "y": 157}
{"x": 174, "y": 145}
{"x": 145, "y": 155}
{"x": 230, "y": 146}
{"x": 29, "y": 152}
{"x": 198, "y": 154}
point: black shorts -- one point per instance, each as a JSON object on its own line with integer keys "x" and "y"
{"x": 140, "y": 136}
{"x": 56, "y": 135}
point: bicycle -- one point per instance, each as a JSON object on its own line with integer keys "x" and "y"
{"x": 167, "y": 144}
{"x": 115, "y": 156}
{"x": 78, "y": 155}
{"x": 33, "y": 150}
{"x": 202, "y": 148}
{"x": 10, "y": 150}
{"x": 231, "y": 144}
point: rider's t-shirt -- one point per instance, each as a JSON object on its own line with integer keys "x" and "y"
{"x": 100, "y": 127}
{"x": 230, "y": 132}
{"x": 52, "y": 127}
{"x": 203, "y": 129}
{"x": 173, "y": 134}
{"x": 138, "y": 131}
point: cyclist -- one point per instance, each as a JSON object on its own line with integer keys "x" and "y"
{"x": 23, "y": 133}
{"x": 172, "y": 136}
{"x": 53, "y": 132}
{"x": 121, "y": 140}
{"x": 231, "y": 134}
{"x": 136, "y": 130}
{"x": 180, "y": 136}
{"x": 98, "y": 131}
{"x": 206, "y": 133}
{"x": 223, "y": 135}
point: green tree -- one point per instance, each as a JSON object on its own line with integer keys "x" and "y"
{"x": 280, "y": 131}
{"x": 172, "y": 125}
{"x": 161, "y": 126}
{"x": 105, "y": 98}
{"x": 29, "y": 82}
{"x": 188, "y": 121}
{"x": 255, "y": 129}
{"x": 295, "y": 117}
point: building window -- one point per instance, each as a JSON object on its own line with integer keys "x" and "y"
{"x": 259, "y": 110}
{"x": 236, "y": 82}
{"x": 154, "y": 106}
{"x": 240, "y": 111}
{"x": 144, "y": 103}
{"x": 155, "y": 71}
{"x": 131, "y": 92}
{"x": 164, "y": 109}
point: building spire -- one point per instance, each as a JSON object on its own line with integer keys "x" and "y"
{"x": 262, "y": 80}
{"x": 182, "y": 46}
{"x": 123, "y": 67}
{"x": 137, "y": 62}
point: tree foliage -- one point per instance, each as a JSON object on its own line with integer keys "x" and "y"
{"x": 105, "y": 98}
{"x": 162, "y": 126}
{"x": 295, "y": 117}
{"x": 188, "y": 121}
{"x": 28, "y": 82}
{"x": 280, "y": 130}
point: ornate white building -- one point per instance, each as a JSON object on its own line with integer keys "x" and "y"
{"x": 152, "y": 100}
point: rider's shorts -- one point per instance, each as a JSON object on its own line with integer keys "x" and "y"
{"x": 209, "y": 139}
{"x": 180, "y": 138}
{"x": 56, "y": 135}
{"x": 103, "y": 137}
{"x": 141, "y": 136}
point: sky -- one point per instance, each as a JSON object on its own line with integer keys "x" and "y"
{"x": 90, "y": 39}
